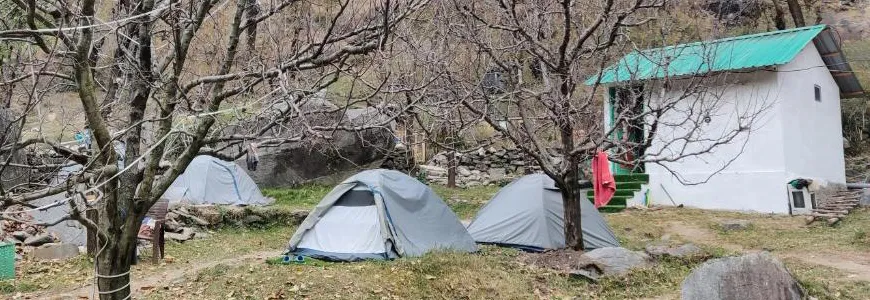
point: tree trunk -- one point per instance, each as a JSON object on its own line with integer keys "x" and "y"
{"x": 779, "y": 15}
{"x": 451, "y": 169}
{"x": 113, "y": 263}
{"x": 571, "y": 197}
{"x": 115, "y": 256}
{"x": 797, "y": 13}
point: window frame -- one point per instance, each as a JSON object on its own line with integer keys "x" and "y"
{"x": 817, "y": 93}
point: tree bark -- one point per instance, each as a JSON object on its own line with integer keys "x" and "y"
{"x": 779, "y": 15}
{"x": 797, "y": 13}
{"x": 113, "y": 264}
{"x": 570, "y": 189}
{"x": 571, "y": 197}
{"x": 451, "y": 169}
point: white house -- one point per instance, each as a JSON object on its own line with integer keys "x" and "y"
{"x": 781, "y": 89}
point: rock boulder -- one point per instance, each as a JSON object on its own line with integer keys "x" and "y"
{"x": 328, "y": 158}
{"x": 754, "y": 276}
{"x": 39, "y": 240}
{"x": 616, "y": 260}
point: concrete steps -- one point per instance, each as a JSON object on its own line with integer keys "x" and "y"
{"x": 627, "y": 185}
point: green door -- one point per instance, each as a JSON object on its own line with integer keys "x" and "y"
{"x": 636, "y": 133}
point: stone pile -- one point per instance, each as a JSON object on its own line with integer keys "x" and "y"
{"x": 185, "y": 222}
{"x": 24, "y": 234}
{"x": 482, "y": 167}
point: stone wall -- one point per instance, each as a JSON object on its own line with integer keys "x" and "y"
{"x": 483, "y": 167}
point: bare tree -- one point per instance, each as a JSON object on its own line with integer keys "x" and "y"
{"x": 797, "y": 13}
{"x": 545, "y": 50}
{"x": 165, "y": 78}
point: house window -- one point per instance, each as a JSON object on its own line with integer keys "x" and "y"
{"x": 818, "y": 94}
{"x": 797, "y": 199}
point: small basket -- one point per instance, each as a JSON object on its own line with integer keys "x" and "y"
{"x": 7, "y": 260}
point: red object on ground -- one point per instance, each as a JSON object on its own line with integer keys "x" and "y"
{"x": 602, "y": 180}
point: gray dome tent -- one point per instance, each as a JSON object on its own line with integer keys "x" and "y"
{"x": 528, "y": 214}
{"x": 208, "y": 180}
{"x": 379, "y": 214}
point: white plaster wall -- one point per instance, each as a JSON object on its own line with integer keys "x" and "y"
{"x": 796, "y": 137}
{"x": 812, "y": 131}
{"x": 753, "y": 177}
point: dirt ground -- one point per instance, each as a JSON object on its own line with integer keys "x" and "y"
{"x": 855, "y": 264}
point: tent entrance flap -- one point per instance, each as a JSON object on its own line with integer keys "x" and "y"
{"x": 350, "y": 227}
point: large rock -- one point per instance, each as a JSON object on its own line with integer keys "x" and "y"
{"x": 328, "y": 158}
{"x": 616, "y": 260}
{"x": 55, "y": 251}
{"x": 38, "y": 240}
{"x": 754, "y": 276}
{"x": 184, "y": 235}
{"x": 20, "y": 235}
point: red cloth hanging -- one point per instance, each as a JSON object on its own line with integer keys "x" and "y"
{"x": 602, "y": 180}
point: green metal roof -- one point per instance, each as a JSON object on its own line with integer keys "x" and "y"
{"x": 736, "y": 53}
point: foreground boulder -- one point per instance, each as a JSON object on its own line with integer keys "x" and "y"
{"x": 616, "y": 260}
{"x": 38, "y": 240}
{"x": 753, "y": 276}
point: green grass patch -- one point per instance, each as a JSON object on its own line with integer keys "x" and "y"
{"x": 465, "y": 202}
{"x": 302, "y": 197}
{"x": 230, "y": 242}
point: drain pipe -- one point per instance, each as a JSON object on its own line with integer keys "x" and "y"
{"x": 858, "y": 185}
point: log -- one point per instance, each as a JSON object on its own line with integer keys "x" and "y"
{"x": 848, "y": 205}
{"x": 810, "y": 219}
{"x": 841, "y": 202}
{"x": 831, "y": 211}
{"x": 827, "y": 215}
{"x": 842, "y": 207}
{"x": 833, "y": 221}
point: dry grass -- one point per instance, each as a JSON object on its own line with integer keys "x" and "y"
{"x": 493, "y": 273}
{"x": 826, "y": 283}
{"x": 768, "y": 232}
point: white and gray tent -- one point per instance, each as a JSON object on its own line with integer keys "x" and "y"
{"x": 379, "y": 214}
{"x": 528, "y": 214}
{"x": 209, "y": 180}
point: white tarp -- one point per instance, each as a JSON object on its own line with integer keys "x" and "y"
{"x": 528, "y": 214}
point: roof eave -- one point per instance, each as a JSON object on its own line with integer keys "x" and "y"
{"x": 833, "y": 57}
